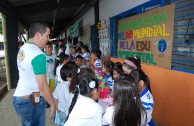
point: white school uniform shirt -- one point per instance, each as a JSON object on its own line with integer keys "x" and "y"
{"x": 54, "y": 51}
{"x": 68, "y": 50}
{"x": 59, "y": 79}
{"x": 98, "y": 63}
{"x": 148, "y": 103}
{"x": 86, "y": 112}
{"x": 59, "y": 52}
{"x": 107, "y": 118}
{"x": 86, "y": 56}
{"x": 50, "y": 62}
{"x": 64, "y": 97}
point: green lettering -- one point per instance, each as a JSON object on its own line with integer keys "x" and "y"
{"x": 164, "y": 17}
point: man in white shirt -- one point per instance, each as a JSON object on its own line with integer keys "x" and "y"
{"x": 32, "y": 84}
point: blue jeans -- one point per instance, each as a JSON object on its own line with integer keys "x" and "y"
{"x": 31, "y": 115}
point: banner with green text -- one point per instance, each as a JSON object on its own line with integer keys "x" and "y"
{"x": 149, "y": 36}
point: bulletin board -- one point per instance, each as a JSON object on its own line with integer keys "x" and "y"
{"x": 104, "y": 38}
{"x": 149, "y": 36}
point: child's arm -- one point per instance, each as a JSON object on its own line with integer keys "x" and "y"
{"x": 92, "y": 66}
{"x": 56, "y": 103}
{"x": 55, "y": 98}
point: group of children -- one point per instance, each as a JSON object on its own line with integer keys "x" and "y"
{"x": 80, "y": 84}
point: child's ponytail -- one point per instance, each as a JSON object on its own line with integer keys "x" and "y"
{"x": 74, "y": 100}
{"x": 84, "y": 87}
{"x": 74, "y": 81}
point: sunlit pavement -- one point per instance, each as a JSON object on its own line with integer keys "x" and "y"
{"x": 8, "y": 116}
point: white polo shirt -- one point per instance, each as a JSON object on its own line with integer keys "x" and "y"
{"x": 64, "y": 97}
{"x": 58, "y": 73}
{"x": 86, "y": 112}
{"x": 31, "y": 61}
{"x": 50, "y": 63}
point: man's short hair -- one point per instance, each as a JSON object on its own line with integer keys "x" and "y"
{"x": 37, "y": 27}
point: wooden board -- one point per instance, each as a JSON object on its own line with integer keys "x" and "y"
{"x": 149, "y": 36}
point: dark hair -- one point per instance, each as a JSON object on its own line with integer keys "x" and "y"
{"x": 69, "y": 40}
{"x": 80, "y": 43}
{"x": 87, "y": 72}
{"x": 49, "y": 43}
{"x": 83, "y": 88}
{"x": 86, "y": 48}
{"x": 20, "y": 44}
{"x": 37, "y": 27}
{"x": 79, "y": 57}
{"x": 136, "y": 60}
{"x": 68, "y": 70}
{"x": 118, "y": 68}
{"x": 62, "y": 46}
{"x": 97, "y": 53}
{"x": 84, "y": 72}
{"x": 138, "y": 75}
{"x": 77, "y": 49}
{"x": 109, "y": 65}
{"x": 128, "y": 107}
{"x": 59, "y": 60}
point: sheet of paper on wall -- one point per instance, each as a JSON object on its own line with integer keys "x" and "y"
{"x": 103, "y": 22}
{"x": 106, "y": 32}
{"x": 107, "y": 22}
{"x": 98, "y": 34}
{"x": 107, "y": 43}
{"x": 105, "y": 51}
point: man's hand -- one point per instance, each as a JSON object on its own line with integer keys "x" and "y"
{"x": 45, "y": 91}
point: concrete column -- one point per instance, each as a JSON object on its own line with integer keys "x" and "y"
{"x": 96, "y": 13}
{"x": 10, "y": 32}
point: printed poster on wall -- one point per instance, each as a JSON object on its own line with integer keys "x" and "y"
{"x": 149, "y": 36}
{"x": 103, "y": 35}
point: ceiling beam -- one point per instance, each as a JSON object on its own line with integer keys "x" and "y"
{"x": 61, "y": 22}
{"x": 50, "y": 5}
{"x": 5, "y": 8}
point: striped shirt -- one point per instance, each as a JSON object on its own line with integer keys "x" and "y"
{"x": 86, "y": 56}
{"x": 148, "y": 104}
{"x": 97, "y": 63}
{"x": 110, "y": 82}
